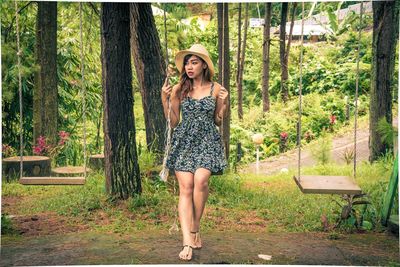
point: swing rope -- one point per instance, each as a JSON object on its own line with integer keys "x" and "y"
{"x": 19, "y": 52}
{"x": 300, "y": 93}
{"x": 356, "y": 94}
{"x": 167, "y": 141}
{"x": 223, "y": 71}
{"x": 83, "y": 90}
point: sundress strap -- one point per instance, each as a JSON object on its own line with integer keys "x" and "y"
{"x": 211, "y": 92}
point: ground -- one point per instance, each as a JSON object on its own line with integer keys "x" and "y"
{"x": 158, "y": 247}
{"x": 51, "y": 239}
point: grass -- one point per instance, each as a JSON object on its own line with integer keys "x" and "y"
{"x": 236, "y": 201}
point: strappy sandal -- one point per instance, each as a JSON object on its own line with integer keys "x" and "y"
{"x": 189, "y": 252}
{"x": 196, "y": 239}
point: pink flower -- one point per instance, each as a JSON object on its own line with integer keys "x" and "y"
{"x": 41, "y": 146}
{"x": 37, "y": 150}
{"x": 41, "y": 141}
{"x": 284, "y": 135}
{"x": 63, "y": 137}
{"x": 63, "y": 134}
{"x": 332, "y": 119}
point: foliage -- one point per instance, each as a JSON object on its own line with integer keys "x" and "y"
{"x": 350, "y": 216}
{"x": 321, "y": 75}
{"x": 10, "y": 94}
{"x": 319, "y": 113}
{"x": 6, "y": 225}
{"x": 321, "y": 150}
{"x": 387, "y": 131}
{"x": 348, "y": 155}
{"x": 68, "y": 71}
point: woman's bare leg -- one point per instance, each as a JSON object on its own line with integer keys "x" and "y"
{"x": 185, "y": 210}
{"x": 200, "y": 195}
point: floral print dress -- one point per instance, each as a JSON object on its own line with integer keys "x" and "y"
{"x": 196, "y": 142}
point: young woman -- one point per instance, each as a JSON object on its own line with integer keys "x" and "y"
{"x": 196, "y": 145}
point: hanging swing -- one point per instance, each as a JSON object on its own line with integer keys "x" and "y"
{"x": 321, "y": 184}
{"x": 51, "y": 180}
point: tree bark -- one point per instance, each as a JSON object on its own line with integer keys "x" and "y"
{"x": 121, "y": 161}
{"x": 266, "y": 50}
{"x": 282, "y": 48}
{"x": 385, "y": 32}
{"x": 287, "y": 51}
{"x": 241, "y": 65}
{"x": 224, "y": 68}
{"x": 45, "y": 95}
{"x": 239, "y": 42}
{"x": 220, "y": 18}
{"x": 150, "y": 70}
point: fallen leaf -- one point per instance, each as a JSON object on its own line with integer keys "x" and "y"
{"x": 264, "y": 257}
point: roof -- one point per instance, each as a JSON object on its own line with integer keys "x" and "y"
{"x": 313, "y": 24}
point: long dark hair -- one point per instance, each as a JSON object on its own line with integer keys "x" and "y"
{"x": 187, "y": 83}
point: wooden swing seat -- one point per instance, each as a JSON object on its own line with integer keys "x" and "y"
{"x": 317, "y": 184}
{"x": 52, "y": 180}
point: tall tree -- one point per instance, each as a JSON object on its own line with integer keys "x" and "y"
{"x": 266, "y": 50}
{"x": 385, "y": 32}
{"x": 282, "y": 50}
{"x": 239, "y": 44}
{"x": 224, "y": 67}
{"x": 150, "y": 70}
{"x": 45, "y": 95}
{"x": 121, "y": 161}
{"x": 287, "y": 51}
{"x": 241, "y": 65}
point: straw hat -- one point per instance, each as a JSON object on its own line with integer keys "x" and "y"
{"x": 197, "y": 50}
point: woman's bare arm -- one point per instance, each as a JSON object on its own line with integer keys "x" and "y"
{"x": 221, "y": 106}
{"x": 175, "y": 105}
{"x": 174, "y": 94}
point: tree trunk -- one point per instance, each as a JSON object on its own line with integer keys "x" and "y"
{"x": 220, "y": 18}
{"x": 241, "y": 65}
{"x": 224, "y": 68}
{"x": 239, "y": 42}
{"x": 150, "y": 70}
{"x": 45, "y": 95}
{"x": 385, "y": 32}
{"x": 287, "y": 51}
{"x": 282, "y": 48}
{"x": 266, "y": 50}
{"x": 121, "y": 162}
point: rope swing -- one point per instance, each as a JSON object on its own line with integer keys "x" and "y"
{"x": 164, "y": 172}
{"x": 317, "y": 184}
{"x": 51, "y": 180}
{"x": 168, "y": 133}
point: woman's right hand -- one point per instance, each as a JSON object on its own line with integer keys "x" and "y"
{"x": 167, "y": 88}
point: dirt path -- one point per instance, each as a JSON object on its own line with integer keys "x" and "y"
{"x": 289, "y": 159}
{"x": 220, "y": 247}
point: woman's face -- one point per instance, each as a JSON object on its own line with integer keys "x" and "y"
{"x": 194, "y": 67}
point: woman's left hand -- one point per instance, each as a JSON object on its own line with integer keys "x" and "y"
{"x": 223, "y": 94}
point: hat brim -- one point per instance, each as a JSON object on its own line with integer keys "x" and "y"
{"x": 180, "y": 56}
